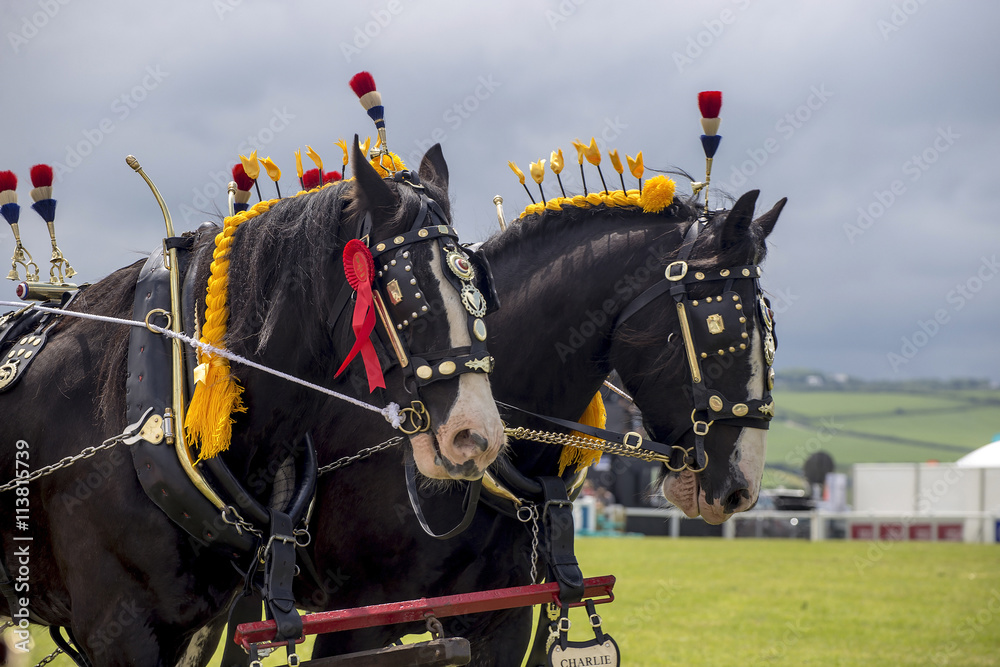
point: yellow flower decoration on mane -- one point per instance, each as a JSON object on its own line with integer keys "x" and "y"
{"x": 592, "y": 152}
{"x": 580, "y": 149}
{"x": 250, "y": 165}
{"x": 272, "y": 169}
{"x": 520, "y": 174}
{"x": 298, "y": 162}
{"x": 343, "y": 146}
{"x": 657, "y": 195}
{"x": 537, "y": 170}
{"x": 616, "y": 161}
{"x": 314, "y": 156}
{"x": 635, "y": 166}
{"x": 556, "y": 161}
{"x": 397, "y": 164}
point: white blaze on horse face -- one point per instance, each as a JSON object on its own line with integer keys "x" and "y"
{"x": 473, "y": 436}
{"x": 751, "y": 446}
{"x": 748, "y": 456}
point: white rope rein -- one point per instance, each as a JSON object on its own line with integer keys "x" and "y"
{"x": 390, "y": 412}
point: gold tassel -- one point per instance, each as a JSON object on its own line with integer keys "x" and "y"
{"x": 595, "y": 415}
{"x": 217, "y": 395}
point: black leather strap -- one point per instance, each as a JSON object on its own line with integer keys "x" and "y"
{"x": 245, "y": 609}
{"x": 557, "y": 532}
{"x": 469, "y": 505}
{"x": 148, "y": 384}
{"x": 68, "y": 645}
{"x": 279, "y": 572}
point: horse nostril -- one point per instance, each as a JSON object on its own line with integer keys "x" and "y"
{"x": 471, "y": 439}
{"x": 479, "y": 441}
{"x": 734, "y": 499}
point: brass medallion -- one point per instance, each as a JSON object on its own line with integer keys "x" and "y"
{"x": 473, "y": 300}
{"x": 715, "y": 403}
{"x": 8, "y": 372}
{"x": 740, "y": 409}
{"x": 460, "y": 265}
{"x": 424, "y": 372}
{"x": 479, "y": 329}
{"x": 484, "y": 365}
{"x": 395, "y": 294}
{"x": 768, "y": 348}
{"x": 715, "y": 324}
{"x": 446, "y": 368}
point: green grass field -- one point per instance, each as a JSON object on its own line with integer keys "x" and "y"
{"x": 776, "y": 602}
{"x": 707, "y": 601}
{"x": 866, "y": 427}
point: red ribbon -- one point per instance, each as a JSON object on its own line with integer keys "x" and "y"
{"x": 359, "y": 267}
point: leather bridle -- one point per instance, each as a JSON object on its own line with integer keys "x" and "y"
{"x": 401, "y": 302}
{"x": 712, "y": 326}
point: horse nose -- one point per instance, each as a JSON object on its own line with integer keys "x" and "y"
{"x": 738, "y": 501}
{"x": 469, "y": 439}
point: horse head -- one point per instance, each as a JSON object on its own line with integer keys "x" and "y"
{"x": 434, "y": 298}
{"x": 721, "y": 340}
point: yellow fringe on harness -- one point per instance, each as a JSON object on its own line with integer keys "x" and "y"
{"x": 217, "y": 395}
{"x": 595, "y": 415}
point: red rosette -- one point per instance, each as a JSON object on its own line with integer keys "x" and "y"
{"x": 359, "y": 268}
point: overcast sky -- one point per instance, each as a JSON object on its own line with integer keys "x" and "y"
{"x": 878, "y": 121}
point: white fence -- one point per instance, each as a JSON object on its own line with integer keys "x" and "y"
{"x": 943, "y": 526}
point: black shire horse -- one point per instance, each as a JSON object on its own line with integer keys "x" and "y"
{"x": 105, "y": 561}
{"x": 554, "y": 274}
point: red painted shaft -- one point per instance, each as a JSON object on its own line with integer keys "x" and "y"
{"x": 418, "y": 610}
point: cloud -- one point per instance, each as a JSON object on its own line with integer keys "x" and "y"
{"x": 555, "y": 71}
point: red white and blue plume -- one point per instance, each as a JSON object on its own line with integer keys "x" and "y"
{"x": 710, "y": 103}
{"x": 41, "y": 194}
{"x": 9, "y": 207}
{"x": 244, "y": 184}
{"x": 363, "y": 85}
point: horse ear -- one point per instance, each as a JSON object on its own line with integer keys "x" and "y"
{"x": 433, "y": 168}
{"x": 767, "y": 221}
{"x": 372, "y": 191}
{"x": 738, "y": 221}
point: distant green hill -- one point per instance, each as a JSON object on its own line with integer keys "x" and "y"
{"x": 867, "y": 426}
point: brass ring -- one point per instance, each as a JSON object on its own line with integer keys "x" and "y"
{"x": 157, "y": 311}
{"x": 686, "y": 451}
{"x": 638, "y": 437}
{"x": 697, "y": 470}
{"x": 695, "y": 423}
{"x": 417, "y": 415}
